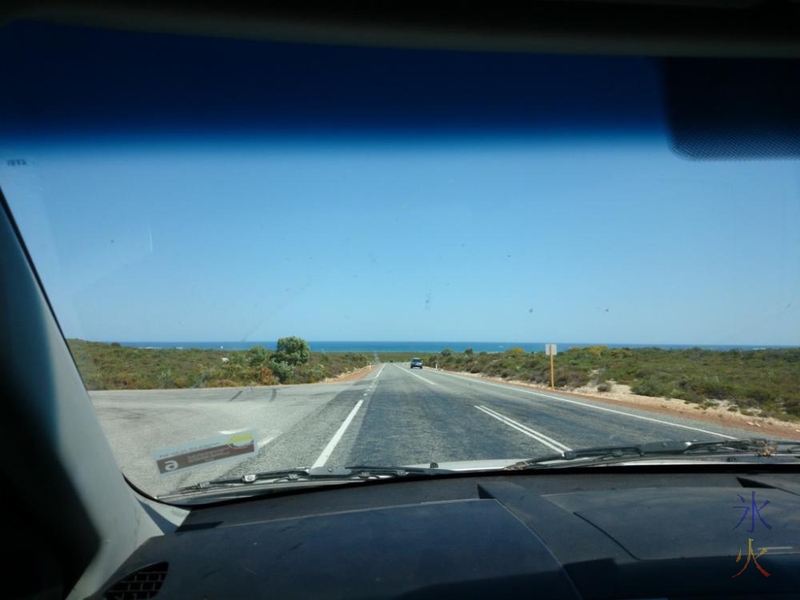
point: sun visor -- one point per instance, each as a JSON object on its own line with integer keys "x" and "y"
{"x": 733, "y": 108}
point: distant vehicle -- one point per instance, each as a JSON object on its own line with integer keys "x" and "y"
{"x": 416, "y": 362}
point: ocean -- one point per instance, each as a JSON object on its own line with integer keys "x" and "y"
{"x": 428, "y": 347}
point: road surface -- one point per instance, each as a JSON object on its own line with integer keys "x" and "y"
{"x": 393, "y": 416}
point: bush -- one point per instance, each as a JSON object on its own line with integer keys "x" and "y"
{"x": 595, "y": 351}
{"x": 604, "y": 387}
{"x": 310, "y": 373}
{"x": 166, "y": 379}
{"x": 651, "y": 387}
{"x": 283, "y": 371}
{"x": 292, "y": 351}
{"x": 686, "y": 394}
{"x": 759, "y": 394}
{"x": 713, "y": 389}
{"x": 792, "y": 407}
{"x": 257, "y": 355}
{"x": 469, "y": 351}
{"x": 576, "y": 379}
{"x": 266, "y": 376}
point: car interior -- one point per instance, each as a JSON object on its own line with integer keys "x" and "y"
{"x": 79, "y": 529}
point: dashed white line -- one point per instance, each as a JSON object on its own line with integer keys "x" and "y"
{"x": 418, "y": 377}
{"x": 334, "y": 441}
{"x": 378, "y": 374}
{"x": 611, "y": 410}
{"x": 326, "y": 453}
{"x": 538, "y": 436}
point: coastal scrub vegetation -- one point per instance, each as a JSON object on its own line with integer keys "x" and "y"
{"x": 116, "y": 367}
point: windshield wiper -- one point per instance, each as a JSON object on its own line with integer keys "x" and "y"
{"x": 602, "y": 454}
{"x": 306, "y": 474}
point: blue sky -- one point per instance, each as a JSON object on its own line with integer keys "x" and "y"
{"x": 197, "y": 189}
{"x": 486, "y": 239}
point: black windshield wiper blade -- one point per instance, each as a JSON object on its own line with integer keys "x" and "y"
{"x": 367, "y": 470}
{"x": 301, "y": 474}
{"x": 293, "y": 474}
{"x": 760, "y": 447}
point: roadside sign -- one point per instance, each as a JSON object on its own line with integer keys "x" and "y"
{"x": 550, "y": 349}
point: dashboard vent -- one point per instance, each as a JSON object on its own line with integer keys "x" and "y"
{"x": 139, "y": 585}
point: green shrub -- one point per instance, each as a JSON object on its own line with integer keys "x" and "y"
{"x": 759, "y": 394}
{"x": 292, "y": 351}
{"x": 257, "y": 355}
{"x": 713, "y": 389}
{"x": 576, "y": 379}
{"x": 281, "y": 370}
{"x": 309, "y": 373}
{"x": 651, "y": 387}
{"x": 685, "y": 394}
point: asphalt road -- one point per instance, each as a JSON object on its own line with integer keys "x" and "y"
{"x": 393, "y": 416}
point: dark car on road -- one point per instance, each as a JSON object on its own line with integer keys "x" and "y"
{"x": 416, "y": 362}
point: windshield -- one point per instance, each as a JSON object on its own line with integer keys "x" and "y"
{"x": 250, "y": 245}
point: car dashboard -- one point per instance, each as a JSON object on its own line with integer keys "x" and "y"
{"x": 605, "y": 535}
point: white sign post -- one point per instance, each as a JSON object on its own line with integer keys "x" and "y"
{"x": 551, "y": 350}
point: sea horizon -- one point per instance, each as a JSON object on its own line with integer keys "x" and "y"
{"x": 433, "y": 346}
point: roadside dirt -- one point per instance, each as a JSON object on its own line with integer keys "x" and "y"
{"x": 621, "y": 395}
{"x": 352, "y": 376}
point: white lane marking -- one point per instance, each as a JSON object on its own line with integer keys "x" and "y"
{"x": 539, "y": 437}
{"x": 611, "y": 410}
{"x": 418, "y": 377}
{"x": 378, "y": 374}
{"x": 326, "y": 453}
{"x": 265, "y": 441}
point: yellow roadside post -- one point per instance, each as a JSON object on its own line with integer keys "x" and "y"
{"x": 551, "y": 350}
